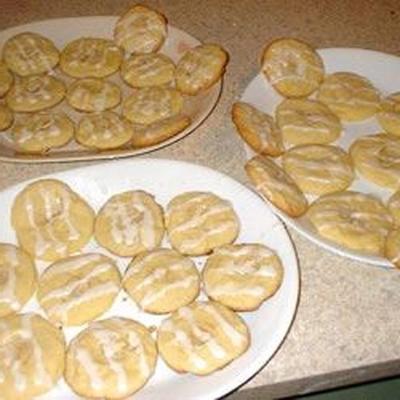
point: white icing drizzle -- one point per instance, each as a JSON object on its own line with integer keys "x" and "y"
{"x": 90, "y": 367}
{"x": 74, "y": 264}
{"x": 8, "y": 291}
{"x": 229, "y": 289}
{"x": 62, "y": 309}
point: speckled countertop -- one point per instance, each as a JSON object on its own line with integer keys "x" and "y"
{"x": 347, "y": 325}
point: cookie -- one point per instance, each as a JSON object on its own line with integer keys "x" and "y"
{"x": 50, "y": 220}
{"x": 202, "y": 338}
{"x": 93, "y": 95}
{"x": 32, "y": 356}
{"x": 17, "y": 278}
{"x": 304, "y": 121}
{"x": 276, "y": 185}
{"x": 78, "y": 289}
{"x": 111, "y": 359}
{"x": 394, "y": 207}
{"x": 292, "y": 67}
{"x": 242, "y": 276}
{"x": 351, "y": 219}
{"x": 6, "y": 117}
{"x": 376, "y": 158}
{"x": 152, "y": 104}
{"x": 162, "y": 280}
{"x": 35, "y": 93}
{"x": 38, "y": 133}
{"x": 89, "y": 57}
{"x": 129, "y": 223}
{"x": 318, "y": 168}
{"x": 30, "y": 53}
{"x": 257, "y": 129}
{"x": 350, "y": 96}
{"x": 392, "y": 247}
{"x": 200, "y": 68}
{"x": 198, "y": 222}
{"x": 389, "y": 116}
{"x": 158, "y": 132}
{"x": 6, "y": 79}
{"x": 102, "y": 131}
{"x": 143, "y": 70}
{"x": 140, "y": 30}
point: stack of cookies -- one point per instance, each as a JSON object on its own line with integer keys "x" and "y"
{"x": 299, "y": 169}
{"x": 100, "y": 93}
{"x": 116, "y": 356}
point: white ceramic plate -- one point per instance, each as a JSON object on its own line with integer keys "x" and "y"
{"x": 383, "y": 71}
{"x": 165, "y": 179}
{"x": 62, "y": 31}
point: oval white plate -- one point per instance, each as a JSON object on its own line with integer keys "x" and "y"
{"x": 165, "y": 179}
{"x": 383, "y": 71}
{"x": 62, "y": 31}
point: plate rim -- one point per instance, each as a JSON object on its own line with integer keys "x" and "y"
{"x": 293, "y": 299}
{"x": 111, "y": 154}
{"x": 332, "y": 247}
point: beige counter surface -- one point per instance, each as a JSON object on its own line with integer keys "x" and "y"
{"x": 348, "y": 321}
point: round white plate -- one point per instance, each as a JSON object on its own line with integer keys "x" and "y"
{"x": 383, "y": 71}
{"x": 62, "y": 31}
{"x": 165, "y": 179}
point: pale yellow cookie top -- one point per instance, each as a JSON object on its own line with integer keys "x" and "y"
{"x": 394, "y": 207}
{"x": 6, "y": 79}
{"x": 197, "y": 222}
{"x": 140, "y": 30}
{"x": 32, "y": 356}
{"x": 30, "y": 53}
{"x": 90, "y": 57}
{"x": 112, "y": 358}
{"x": 77, "y": 289}
{"x": 292, "y": 67}
{"x": 162, "y": 280}
{"x": 6, "y": 117}
{"x": 202, "y": 337}
{"x": 200, "y": 67}
{"x": 242, "y": 276}
{"x": 17, "y": 278}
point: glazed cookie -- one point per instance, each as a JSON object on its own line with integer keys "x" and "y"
{"x": 276, "y": 185}
{"x": 152, "y": 104}
{"x": 257, "y": 129}
{"x": 17, "y": 278}
{"x": 31, "y": 356}
{"x": 129, "y": 223}
{"x": 198, "y": 222}
{"x": 392, "y": 247}
{"x": 106, "y": 130}
{"x": 292, "y": 67}
{"x": 38, "y": 133}
{"x": 90, "y": 58}
{"x": 200, "y": 68}
{"x": 111, "y": 359}
{"x": 6, "y": 117}
{"x": 51, "y": 221}
{"x": 304, "y": 121}
{"x": 394, "y": 207}
{"x": 78, "y": 289}
{"x": 202, "y": 338}
{"x": 242, "y": 276}
{"x": 319, "y": 169}
{"x": 6, "y": 79}
{"x": 162, "y": 280}
{"x": 29, "y": 53}
{"x": 350, "y": 96}
{"x": 140, "y": 30}
{"x": 93, "y": 95}
{"x": 376, "y": 158}
{"x": 355, "y": 220}
{"x": 35, "y": 93}
{"x": 142, "y": 70}
{"x": 389, "y": 117}
{"x": 157, "y": 132}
